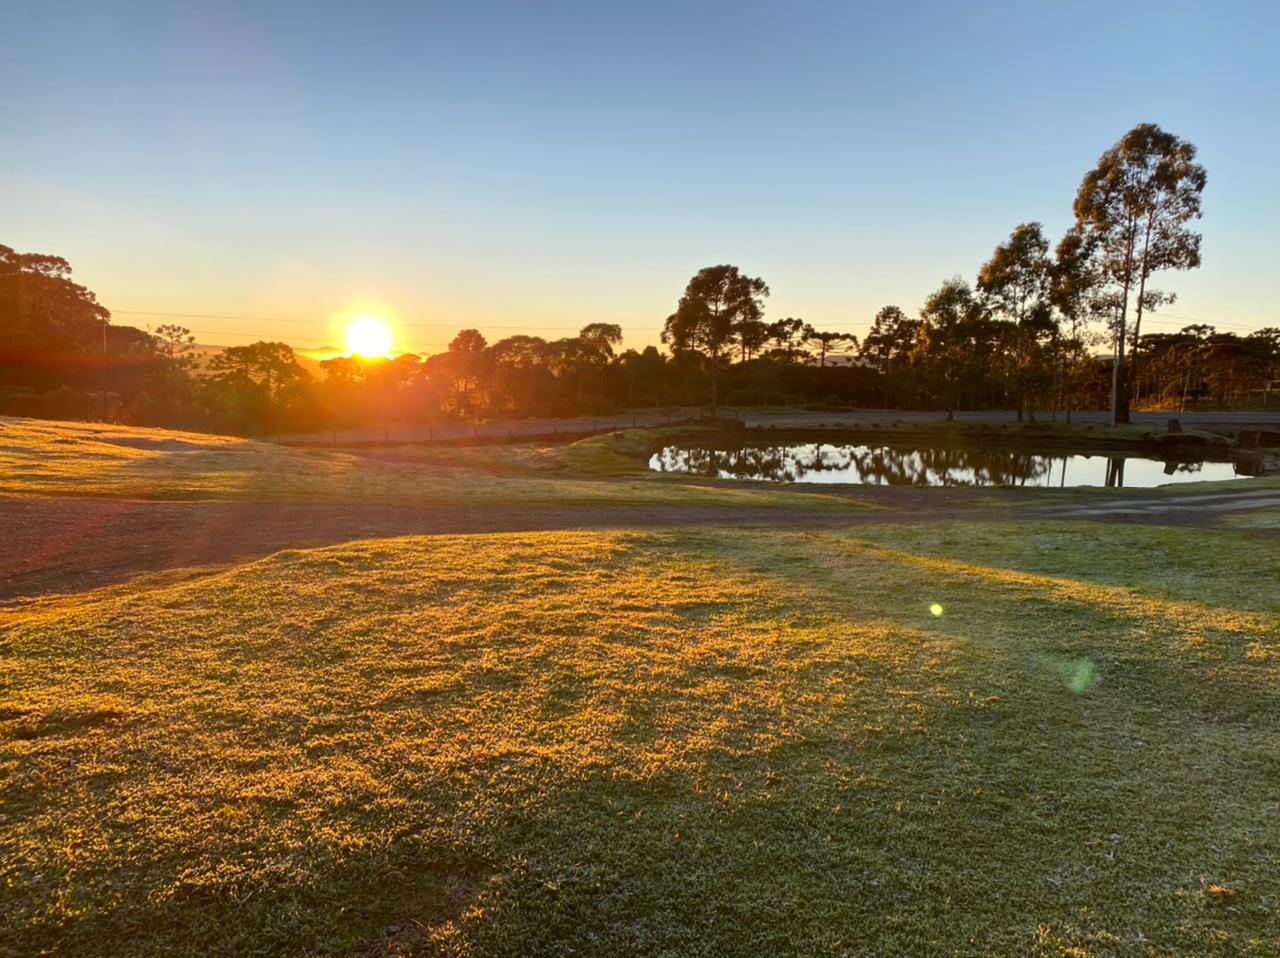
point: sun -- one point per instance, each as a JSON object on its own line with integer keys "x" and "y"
{"x": 369, "y": 336}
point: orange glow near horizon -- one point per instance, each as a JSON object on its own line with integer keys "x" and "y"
{"x": 369, "y": 336}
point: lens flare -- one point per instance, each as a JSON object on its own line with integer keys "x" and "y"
{"x": 1082, "y": 675}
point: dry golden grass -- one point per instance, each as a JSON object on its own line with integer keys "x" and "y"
{"x": 711, "y": 743}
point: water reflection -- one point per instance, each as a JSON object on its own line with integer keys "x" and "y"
{"x": 939, "y": 466}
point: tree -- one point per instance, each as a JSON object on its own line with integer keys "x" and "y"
{"x": 255, "y": 386}
{"x": 752, "y": 335}
{"x": 595, "y": 353}
{"x": 952, "y": 339}
{"x": 1016, "y": 283}
{"x": 715, "y": 304}
{"x": 787, "y": 336}
{"x": 462, "y": 368}
{"x": 269, "y": 367}
{"x": 646, "y": 376}
{"x": 1077, "y": 292}
{"x": 170, "y": 352}
{"x": 827, "y": 341}
{"x": 468, "y": 341}
{"x": 602, "y": 337}
{"x": 1134, "y": 207}
{"x": 889, "y": 342}
{"x": 52, "y": 330}
{"x": 521, "y": 352}
{"x": 176, "y": 343}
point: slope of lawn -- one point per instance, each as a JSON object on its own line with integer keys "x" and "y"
{"x": 1257, "y": 519}
{"x": 47, "y": 458}
{"x": 710, "y": 743}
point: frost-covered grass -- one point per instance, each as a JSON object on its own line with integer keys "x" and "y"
{"x": 675, "y": 743}
{"x": 46, "y": 458}
{"x": 1257, "y": 519}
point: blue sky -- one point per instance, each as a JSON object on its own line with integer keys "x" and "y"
{"x": 531, "y": 167}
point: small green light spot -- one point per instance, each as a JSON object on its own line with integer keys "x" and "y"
{"x": 936, "y": 609}
{"x": 1082, "y": 675}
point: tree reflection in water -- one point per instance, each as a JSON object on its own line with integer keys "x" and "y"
{"x": 886, "y": 465}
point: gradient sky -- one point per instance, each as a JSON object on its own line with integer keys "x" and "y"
{"x": 532, "y": 167}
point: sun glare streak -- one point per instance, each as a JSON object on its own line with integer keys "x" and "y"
{"x": 368, "y": 336}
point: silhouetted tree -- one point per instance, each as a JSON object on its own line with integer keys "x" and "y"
{"x": 53, "y": 332}
{"x": 752, "y": 336}
{"x": 827, "y": 341}
{"x": 255, "y": 386}
{"x": 462, "y": 369}
{"x": 602, "y": 337}
{"x": 1016, "y": 283}
{"x": 715, "y": 304}
{"x": 954, "y": 340}
{"x": 787, "y": 336}
{"x": 889, "y": 345}
{"x": 1133, "y": 207}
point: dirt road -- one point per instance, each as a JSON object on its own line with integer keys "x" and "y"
{"x": 587, "y": 425}
{"x": 72, "y": 545}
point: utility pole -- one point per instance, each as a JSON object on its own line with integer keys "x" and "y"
{"x": 104, "y": 368}
{"x": 1117, "y": 369}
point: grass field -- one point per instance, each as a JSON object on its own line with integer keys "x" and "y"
{"x": 676, "y": 743}
{"x": 89, "y": 459}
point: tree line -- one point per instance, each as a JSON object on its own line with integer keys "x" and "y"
{"x": 1024, "y": 335}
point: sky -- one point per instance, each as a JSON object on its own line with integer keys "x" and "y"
{"x": 262, "y": 170}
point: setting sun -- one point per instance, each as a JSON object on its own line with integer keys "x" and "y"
{"x": 369, "y": 336}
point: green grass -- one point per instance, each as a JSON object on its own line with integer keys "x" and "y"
{"x": 703, "y": 743}
{"x": 1257, "y": 519}
{"x": 623, "y": 453}
{"x": 1162, "y": 561}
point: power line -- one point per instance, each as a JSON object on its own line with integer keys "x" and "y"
{"x": 1173, "y": 318}
{"x": 1197, "y": 319}
{"x": 274, "y": 319}
{"x": 482, "y": 325}
{"x": 318, "y": 341}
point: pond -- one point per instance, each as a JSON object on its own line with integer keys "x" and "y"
{"x": 936, "y": 466}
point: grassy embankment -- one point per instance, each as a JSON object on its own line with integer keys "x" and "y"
{"x": 699, "y": 743}
{"x": 88, "y": 459}
{"x": 623, "y": 743}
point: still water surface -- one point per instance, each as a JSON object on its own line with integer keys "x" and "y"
{"x": 939, "y": 466}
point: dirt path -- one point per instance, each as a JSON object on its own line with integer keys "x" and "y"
{"x": 586, "y": 425}
{"x": 72, "y": 545}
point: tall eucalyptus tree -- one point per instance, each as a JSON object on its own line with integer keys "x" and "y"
{"x": 1134, "y": 207}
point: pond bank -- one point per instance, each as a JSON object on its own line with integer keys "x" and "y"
{"x": 1190, "y": 444}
